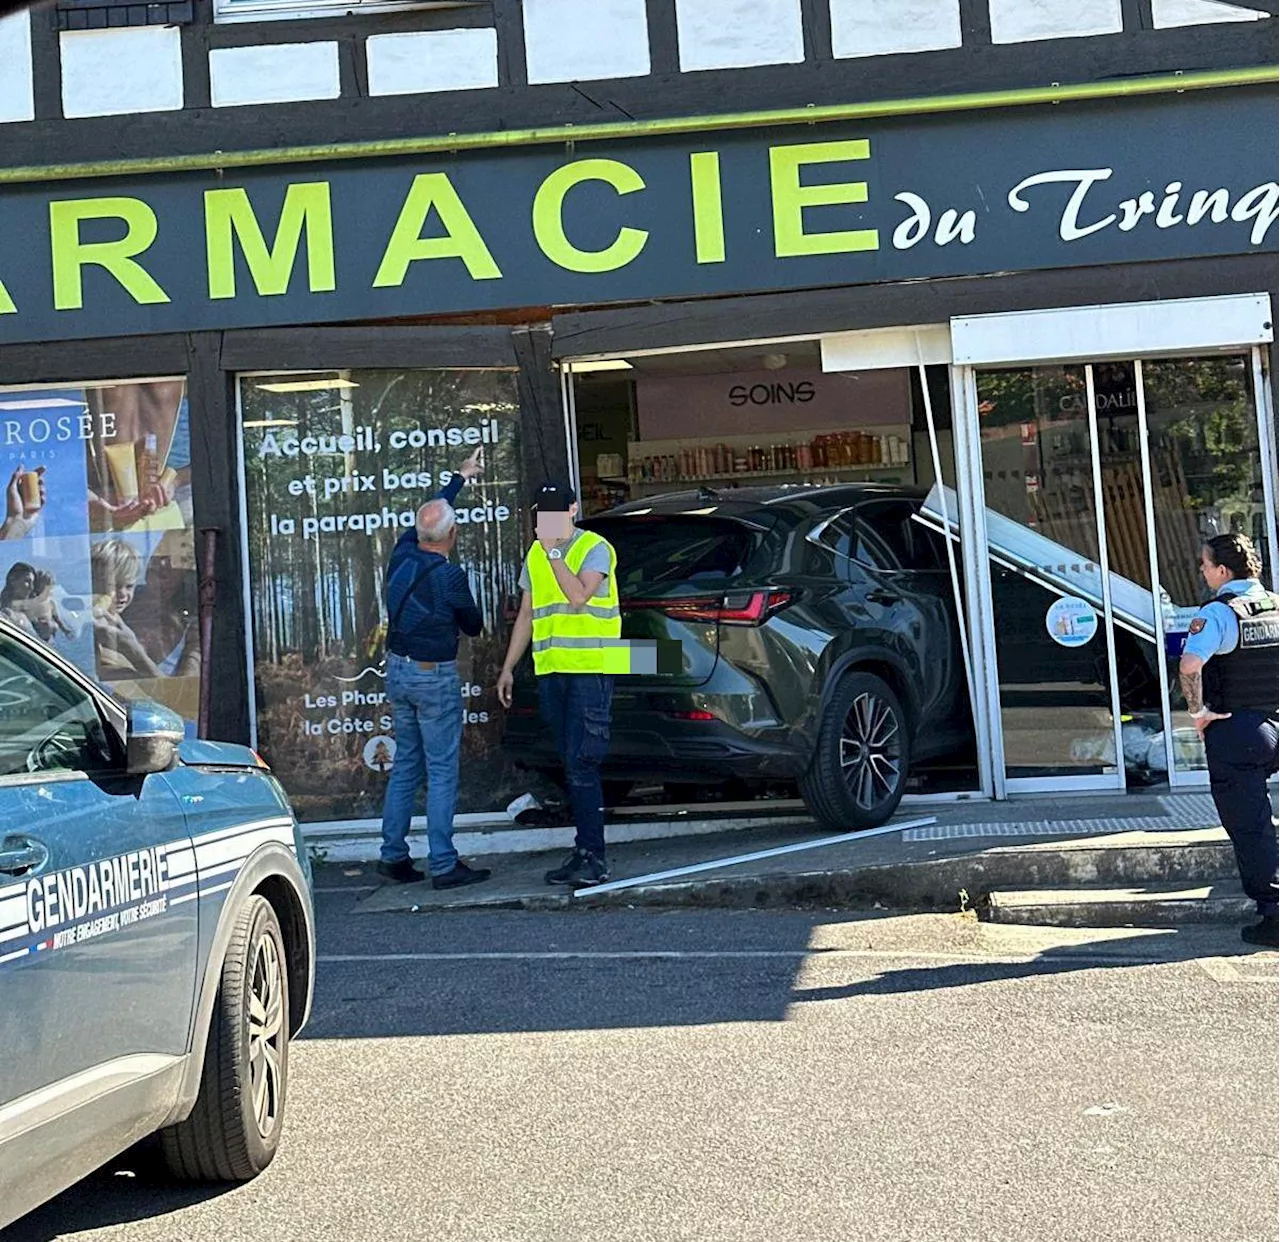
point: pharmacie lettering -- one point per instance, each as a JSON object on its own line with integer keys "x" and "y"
{"x": 296, "y": 245}
{"x": 67, "y": 896}
{"x": 1175, "y": 207}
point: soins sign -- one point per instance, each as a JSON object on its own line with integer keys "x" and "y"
{"x": 1158, "y": 178}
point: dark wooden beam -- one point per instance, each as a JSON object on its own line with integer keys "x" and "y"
{"x": 975, "y": 23}
{"x": 664, "y": 37}
{"x": 80, "y": 361}
{"x": 815, "y": 311}
{"x": 46, "y": 66}
{"x": 215, "y": 490}
{"x": 544, "y": 449}
{"x": 513, "y": 65}
{"x": 1269, "y": 7}
{"x": 815, "y": 17}
{"x": 195, "y": 57}
{"x": 324, "y": 348}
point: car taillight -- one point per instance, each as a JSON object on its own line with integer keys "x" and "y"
{"x": 692, "y": 715}
{"x": 736, "y": 608}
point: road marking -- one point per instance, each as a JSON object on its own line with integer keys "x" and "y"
{"x": 716, "y": 863}
{"x": 1064, "y": 957}
{"x": 1222, "y": 971}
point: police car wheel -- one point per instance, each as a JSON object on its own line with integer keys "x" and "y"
{"x": 859, "y": 769}
{"x": 234, "y": 1129}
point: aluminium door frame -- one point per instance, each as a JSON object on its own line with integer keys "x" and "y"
{"x": 971, "y": 486}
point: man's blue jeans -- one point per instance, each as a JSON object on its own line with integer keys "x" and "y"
{"x": 428, "y": 715}
{"x": 576, "y": 708}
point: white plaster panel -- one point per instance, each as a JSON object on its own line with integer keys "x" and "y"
{"x": 581, "y": 40}
{"x": 1022, "y": 21}
{"x": 432, "y": 60}
{"x": 273, "y": 73}
{"x": 17, "y": 97}
{"x": 92, "y": 81}
{"x": 1167, "y": 13}
{"x": 882, "y": 27}
{"x": 733, "y": 34}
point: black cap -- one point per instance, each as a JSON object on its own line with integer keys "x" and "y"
{"x": 554, "y": 498}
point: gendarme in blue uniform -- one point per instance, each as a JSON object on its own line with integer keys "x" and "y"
{"x": 1237, "y": 634}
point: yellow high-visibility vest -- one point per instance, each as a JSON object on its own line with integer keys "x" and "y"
{"x": 585, "y": 639}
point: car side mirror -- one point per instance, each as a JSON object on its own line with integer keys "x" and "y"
{"x": 151, "y": 738}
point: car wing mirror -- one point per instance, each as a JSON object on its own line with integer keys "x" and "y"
{"x": 152, "y": 736}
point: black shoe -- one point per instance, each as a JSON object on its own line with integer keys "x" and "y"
{"x": 1265, "y": 932}
{"x": 460, "y": 875}
{"x": 402, "y": 872}
{"x": 581, "y": 869}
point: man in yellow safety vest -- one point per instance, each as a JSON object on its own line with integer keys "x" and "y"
{"x": 569, "y": 611}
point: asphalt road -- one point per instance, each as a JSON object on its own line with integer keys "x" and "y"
{"x": 736, "y": 1075}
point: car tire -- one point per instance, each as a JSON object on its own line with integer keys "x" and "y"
{"x": 234, "y": 1130}
{"x": 859, "y": 769}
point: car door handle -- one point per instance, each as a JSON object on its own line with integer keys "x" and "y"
{"x": 883, "y": 597}
{"x": 19, "y": 855}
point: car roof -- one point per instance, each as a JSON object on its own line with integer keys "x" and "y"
{"x": 756, "y": 502}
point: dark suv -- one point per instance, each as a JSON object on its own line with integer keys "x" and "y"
{"x": 819, "y": 641}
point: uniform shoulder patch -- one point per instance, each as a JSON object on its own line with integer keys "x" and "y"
{"x": 1197, "y": 624}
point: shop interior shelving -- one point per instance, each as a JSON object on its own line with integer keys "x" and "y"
{"x": 885, "y": 472}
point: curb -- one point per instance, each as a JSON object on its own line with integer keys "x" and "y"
{"x": 962, "y": 882}
{"x": 945, "y": 884}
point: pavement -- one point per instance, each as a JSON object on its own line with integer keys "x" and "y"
{"x": 750, "y": 1076}
{"x": 939, "y": 858}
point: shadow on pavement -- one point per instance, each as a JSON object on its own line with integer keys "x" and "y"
{"x": 622, "y": 969}
{"x": 124, "y": 1191}
{"x": 1156, "y": 947}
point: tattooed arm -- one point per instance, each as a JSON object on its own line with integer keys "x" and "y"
{"x": 1189, "y": 674}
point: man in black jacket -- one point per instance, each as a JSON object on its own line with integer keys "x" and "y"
{"x": 428, "y": 603}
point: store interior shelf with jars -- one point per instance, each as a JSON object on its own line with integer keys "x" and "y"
{"x": 872, "y": 454}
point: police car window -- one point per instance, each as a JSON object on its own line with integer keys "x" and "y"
{"x": 48, "y": 723}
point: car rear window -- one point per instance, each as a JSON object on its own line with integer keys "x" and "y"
{"x": 660, "y": 550}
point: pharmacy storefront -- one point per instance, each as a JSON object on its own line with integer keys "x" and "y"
{"x": 1052, "y": 314}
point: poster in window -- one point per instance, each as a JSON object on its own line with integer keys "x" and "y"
{"x": 97, "y": 547}
{"x": 336, "y": 464}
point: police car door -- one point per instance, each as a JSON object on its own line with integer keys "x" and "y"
{"x": 97, "y": 935}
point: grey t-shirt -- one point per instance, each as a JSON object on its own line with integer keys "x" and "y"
{"x": 597, "y": 559}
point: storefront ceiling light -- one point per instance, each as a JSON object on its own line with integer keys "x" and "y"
{"x": 604, "y": 364}
{"x": 271, "y": 422}
{"x": 316, "y": 385}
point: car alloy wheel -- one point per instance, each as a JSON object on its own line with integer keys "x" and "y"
{"x": 871, "y": 751}
{"x": 266, "y": 1035}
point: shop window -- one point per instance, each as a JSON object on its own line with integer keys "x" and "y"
{"x": 289, "y": 10}
{"x": 336, "y": 463}
{"x": 97, "y": 546}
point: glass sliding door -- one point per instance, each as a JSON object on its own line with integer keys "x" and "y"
{"x": 1100, "y": 481}
{"x": 1051, "y": 601}
{"x": 1207, "y": 478}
